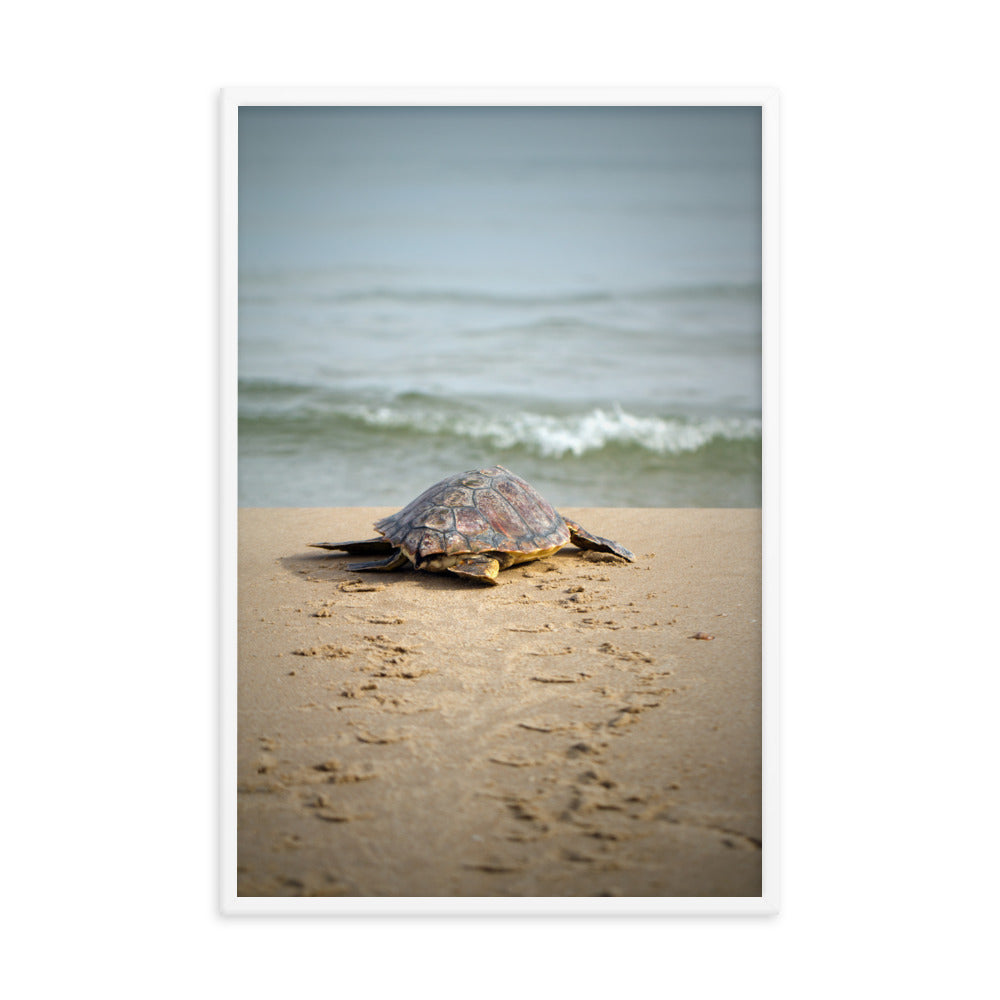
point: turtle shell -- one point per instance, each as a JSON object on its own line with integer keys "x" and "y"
{"x": 483, "y": 510}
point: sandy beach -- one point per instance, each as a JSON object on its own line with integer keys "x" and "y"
{"x": 589, "y": 727}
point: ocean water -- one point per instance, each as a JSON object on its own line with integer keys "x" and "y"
{"x": 574, "y": 293}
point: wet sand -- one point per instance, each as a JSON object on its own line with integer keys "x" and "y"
{"x": 573, "y": 731}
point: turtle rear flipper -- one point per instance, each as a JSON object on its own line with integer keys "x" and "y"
{"x": 370, "y": 546}
{"x": 482, "y": 568}
{"x": 583, "y": 539}
{"x": 394, "y": 561}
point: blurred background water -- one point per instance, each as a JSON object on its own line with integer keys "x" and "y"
{"x": 572, "y": 292}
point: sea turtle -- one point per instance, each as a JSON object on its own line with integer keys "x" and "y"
{"x": 473, "y": 524}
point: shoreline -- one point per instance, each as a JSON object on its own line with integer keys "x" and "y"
{"x": 562, "y": 734}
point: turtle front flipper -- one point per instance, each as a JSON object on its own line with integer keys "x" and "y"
{"x": 482, "y": 568}
{"x": 583, "y": 539}
{"x": 394, "y": 561}
{"x": 370, "y": 546}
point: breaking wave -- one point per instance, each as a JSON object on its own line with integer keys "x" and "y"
{"x": 291, "y": 415}
{"x": 577, "y": 434}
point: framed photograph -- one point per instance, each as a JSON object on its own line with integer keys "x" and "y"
{"x": 498, "y": 409}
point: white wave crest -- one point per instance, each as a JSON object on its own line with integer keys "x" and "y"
{"x": 557, "y": 436}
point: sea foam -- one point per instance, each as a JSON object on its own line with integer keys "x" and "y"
{"x": 576, "y": 434}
